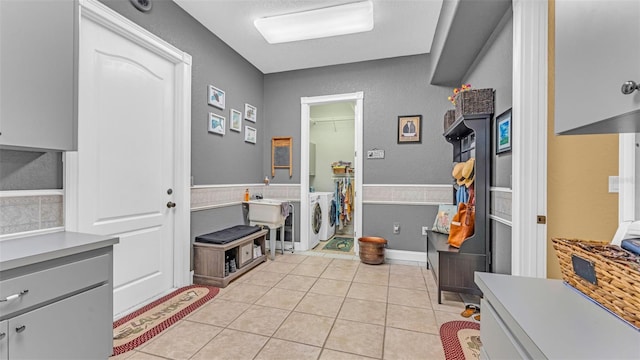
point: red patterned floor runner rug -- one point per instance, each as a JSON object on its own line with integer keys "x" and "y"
{"x": 460, "y": 340}
{"x": 141, "y": 325}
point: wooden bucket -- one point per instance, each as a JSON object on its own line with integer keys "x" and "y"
{"x": 372, "y": 249}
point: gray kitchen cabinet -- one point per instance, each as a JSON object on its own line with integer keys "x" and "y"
{"x": 532, "y": 318}
{"x": 597, "y": 47}
{"x": 4, "y": 347}
{"x": 56, "y": 297}
{"x": 38, "y": 66}
{"x": 65, "y": 329}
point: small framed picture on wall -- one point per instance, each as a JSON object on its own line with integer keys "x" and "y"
{"x": 235, "y": 120}
{"x": 503, "y": 132}
{"x": 250, "y": 112}
{"x": 216, "y": 97}
{"x": 250, "y": 134}
{"x": 216, "y": 124}
{"x": 409, "y": 129}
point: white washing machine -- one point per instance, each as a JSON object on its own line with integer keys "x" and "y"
{"x": 316, "y": 220}
{"x": 328, "y": 208}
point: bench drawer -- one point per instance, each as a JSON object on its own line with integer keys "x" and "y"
{"x": 246, "y": 253}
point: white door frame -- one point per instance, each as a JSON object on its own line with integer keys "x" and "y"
{"x": 627, "y": 177}
{"x": 97, "y": 12}
{"x": 306, "y": 103}
{"x": 529, "y": 156}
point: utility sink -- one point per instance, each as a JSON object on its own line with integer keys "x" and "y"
{"x": 266, "y": 210}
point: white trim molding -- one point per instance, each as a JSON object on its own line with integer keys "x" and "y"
{"x": 405, "y": 255}
{"x": 530, "y": 49}
{"x": 500, "y": 220}
{"x": 23, "y": 193}
{"x": 305, "y": 107}
{"x": 500, "y": 189}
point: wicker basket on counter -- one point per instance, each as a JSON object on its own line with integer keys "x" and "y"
{"x": 475, "y": 101}
{"x": 617, "y": 273}
{"x": 449, "y": 119}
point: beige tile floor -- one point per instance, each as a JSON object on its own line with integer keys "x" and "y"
{"x": 314, "y": 306}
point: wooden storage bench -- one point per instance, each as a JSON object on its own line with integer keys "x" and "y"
{"x": 209, "y": 259}
{"x": 453, "y": 269}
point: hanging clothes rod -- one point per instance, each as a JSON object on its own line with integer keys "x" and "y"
{"x": 331, "y": 120}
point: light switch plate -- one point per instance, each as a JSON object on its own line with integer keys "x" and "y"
{"x": 375, "y": 154}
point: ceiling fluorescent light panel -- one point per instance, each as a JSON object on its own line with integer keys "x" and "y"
{"x": 320, "y": 23}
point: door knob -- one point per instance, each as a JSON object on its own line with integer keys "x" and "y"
{"x": 629, "y": 86}
{"x": 171, "y": 204}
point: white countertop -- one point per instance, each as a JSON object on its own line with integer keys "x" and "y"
{"x": 560, "y": 321}
{"x": 33, "y": 249}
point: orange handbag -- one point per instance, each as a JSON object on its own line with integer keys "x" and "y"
{"x": 462, "y": 224}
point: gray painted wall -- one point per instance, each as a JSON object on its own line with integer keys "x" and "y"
{"x": 215, "y": 159}
{"x": 493, "y": 69}
{"x": 30, "y": 170}
{"x": 392, "y": 87}
{"x": 501, "y": 248}
{"x": 380, "y": 219}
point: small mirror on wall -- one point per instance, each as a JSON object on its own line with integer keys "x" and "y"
{"x": 281, "y": 154}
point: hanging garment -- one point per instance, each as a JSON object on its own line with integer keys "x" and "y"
{"x": 462, "y": 196}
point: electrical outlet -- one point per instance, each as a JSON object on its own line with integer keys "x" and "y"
{"x": 396, "y": 228}
{"x": 424, "y": 230}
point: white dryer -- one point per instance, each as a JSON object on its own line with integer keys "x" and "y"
{"x": 316, "y": 220}
{"x": 328, "y": 208}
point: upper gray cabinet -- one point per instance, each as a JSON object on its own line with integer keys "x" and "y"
{"x": 37, "y": 74}
{"x": 597, "y": 50}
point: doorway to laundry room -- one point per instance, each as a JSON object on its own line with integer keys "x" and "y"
{"x": 332, "y": 178}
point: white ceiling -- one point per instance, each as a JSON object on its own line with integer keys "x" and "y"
{"x": 401, "y": 27}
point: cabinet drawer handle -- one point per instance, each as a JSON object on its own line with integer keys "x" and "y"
{"x": 2, "y": 335}
{"x": 14, "y": 296}
{"x": 21, "y": 328}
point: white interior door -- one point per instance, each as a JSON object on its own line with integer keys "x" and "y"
{"x": 125, "y": 163}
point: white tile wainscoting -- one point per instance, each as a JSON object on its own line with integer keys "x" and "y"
{"x": 29, "y": 211}
{"x": 500, "y": 208}
{"x": 213, "y": 196}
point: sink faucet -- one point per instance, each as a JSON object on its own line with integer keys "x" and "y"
{"x": 258, "y": 196}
